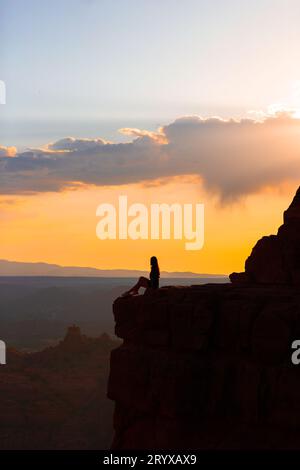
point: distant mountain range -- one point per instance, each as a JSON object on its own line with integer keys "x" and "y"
{"x": 14, "y": 268}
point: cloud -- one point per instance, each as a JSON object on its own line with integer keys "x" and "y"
{"x": 233, "y": 158}
{"x": 71, "y": 144}
{"x": 7, "y": 151}
{"x": 238, "y": 157}
{"x": 156, "y": 136}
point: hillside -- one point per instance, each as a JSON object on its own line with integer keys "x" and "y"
{"x": 56, "y": 398}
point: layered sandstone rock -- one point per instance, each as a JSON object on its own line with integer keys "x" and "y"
{"x": 209, "y": 367}
{"x": 275, "y": 259}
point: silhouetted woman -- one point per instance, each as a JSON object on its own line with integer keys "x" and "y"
{"x": 152, "y": 283}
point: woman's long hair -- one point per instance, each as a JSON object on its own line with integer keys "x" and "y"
{"x": 154, "y": 265}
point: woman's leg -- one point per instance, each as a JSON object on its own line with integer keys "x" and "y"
{"x": 142, "y": 282}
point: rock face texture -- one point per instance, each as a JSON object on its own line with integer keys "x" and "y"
{"x": 209, "y": 367}
{"x": 275, "y": 259}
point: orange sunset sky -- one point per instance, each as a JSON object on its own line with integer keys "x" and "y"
{"x": 61, "y": 228}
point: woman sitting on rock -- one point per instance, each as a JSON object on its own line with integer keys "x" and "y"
{"x": 152, "y": 283}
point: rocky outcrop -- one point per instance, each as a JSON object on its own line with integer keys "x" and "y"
{"x": 209, "y": 367}
{"x": 275, "y": 259}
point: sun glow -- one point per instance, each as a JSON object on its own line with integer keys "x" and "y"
{"x": 296, "y": 114}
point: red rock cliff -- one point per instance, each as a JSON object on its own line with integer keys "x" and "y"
{"x": 275, "y": 259}
{"x": 208, "y": 366}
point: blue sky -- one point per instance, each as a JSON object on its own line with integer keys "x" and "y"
{"x": 88, "y": 67}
